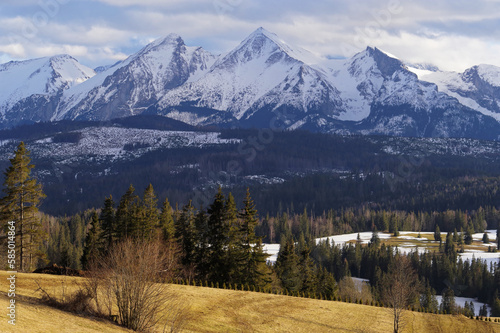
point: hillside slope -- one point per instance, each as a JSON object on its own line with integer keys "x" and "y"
{"x": 216, "y": 310}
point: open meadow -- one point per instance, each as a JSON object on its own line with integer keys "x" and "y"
{"x": 218, "y": 310}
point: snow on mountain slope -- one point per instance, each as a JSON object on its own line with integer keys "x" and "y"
{"x": 259, "y": 81}
{"x": 477, "y": 88}
{"x": 262, "y": 70}
{"x": 135, "y": 84}
{"x": 375, "y": 76}
{"x": 386, "y": 80}
{"x": 359, "y": 81}
{"x": 44, "y": 76}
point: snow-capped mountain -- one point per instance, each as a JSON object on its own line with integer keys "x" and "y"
{"x": 256, "y": 79}
{"x": 401, "y": 104}
{"x": 265, "y": 82}
{"x": 132, "y": 86}
{"x": 477, "y": 87}
{"x": 30, "y": 90}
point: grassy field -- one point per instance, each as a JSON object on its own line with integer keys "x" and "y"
{"x": 216, "y": 310}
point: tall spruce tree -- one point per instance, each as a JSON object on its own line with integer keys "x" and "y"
{"x": 468, "y": 236}
{"x": 93, "y": 242}
{"x": 437, "y": 234}
{"x": 253, "y": 258}
{"x": 306, "y": 266}
{"x": 20, "y": 205}
{"x": 233, "y": 262}
{"x": 166, "y": 222}
{"x": 218, "y": 238}
{"x": 148, "y": 214}
{"x": 108, "y": 223}
{"x": 128, "y": 215}
{"x": 185, "y": 233}
{"x": 287, "y": 266}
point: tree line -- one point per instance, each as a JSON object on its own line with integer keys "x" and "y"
{"x": 218, "y": 244}
{"x": 365, "y": 218}
{"x": 223, "y": 244}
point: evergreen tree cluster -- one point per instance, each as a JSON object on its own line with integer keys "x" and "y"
{"x": 437, "y": 271}
{"x": 298, "y": 273}
{"x": 217, "y": 245}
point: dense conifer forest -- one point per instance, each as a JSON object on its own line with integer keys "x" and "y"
{"x": 331, "y": 185}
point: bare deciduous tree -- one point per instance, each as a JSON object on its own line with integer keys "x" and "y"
{"x": 131, "y": 279}
{"x": 400, "y": 289}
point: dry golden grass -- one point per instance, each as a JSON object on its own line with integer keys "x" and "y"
{"x": 216, "y": 310}
{"x": 32, "y": 316}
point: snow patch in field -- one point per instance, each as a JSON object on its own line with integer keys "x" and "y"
{"x": 272, "y": 249}
{"x": 491, "y": 258}
{"x": 342, "y": 239}
{"x": 460, "y": 301}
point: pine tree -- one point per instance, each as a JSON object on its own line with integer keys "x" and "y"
{"x": 234, "y": 255}
{"x": 128, "y": 215}
{"x": 448, "y": 302}
{"x": 166, "y": 222}
{"x": 255, "y": 269}
{"x": 93, "y": 242}
{"x": 486, "y": 239}
{"x": 108, "y": 223}
{"x": 287, "y": 266}
{"x": 449, "y": 246}
{"x": 483, "y": 311}
{"x": 375, "y": 240}
{"x": 428, "y": 300}
{"x": 148, "y": 213}
{"x": 218, "y": 237}
{"x": 326, "y": 284}
{"x": 185, "y": 233}
{"x": 20, "y": 205}
{"x": 393, "y": 224}
{"x": 495, "y": 308}
{"x": 437, "y": 234}
{"x": 306, "y": 266}
{"x": 468, "y": 236}
{"x": 304, "y": 223}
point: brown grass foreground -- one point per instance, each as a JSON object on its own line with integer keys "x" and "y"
{"x": 216, "y": 310}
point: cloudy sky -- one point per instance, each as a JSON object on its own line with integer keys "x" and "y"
{"x": 452, "y": 34}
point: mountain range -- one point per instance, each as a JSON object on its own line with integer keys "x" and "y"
{"x": 262, "y": 83}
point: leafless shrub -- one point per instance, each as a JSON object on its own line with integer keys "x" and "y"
{"x": 77, "y": 302}
{"x": 128, "y": 286}
{"x": 130, "y": 279}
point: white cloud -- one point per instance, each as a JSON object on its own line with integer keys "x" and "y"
{"x": 126, "y": 3}
{"x": 450, "y": 34}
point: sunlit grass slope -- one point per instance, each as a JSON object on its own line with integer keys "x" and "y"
{"x": 217, "y": 310}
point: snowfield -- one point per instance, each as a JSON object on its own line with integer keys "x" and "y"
{"x": 340, "y": 240}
